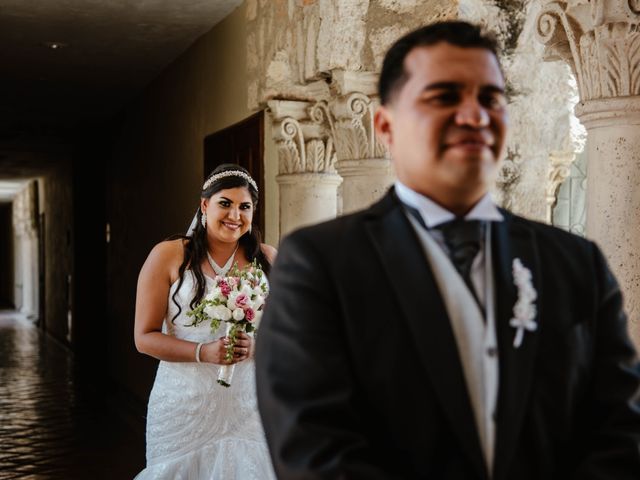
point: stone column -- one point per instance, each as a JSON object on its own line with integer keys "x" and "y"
{"x": 307, "y": 179}
{"x": 362, "y": 161}
{"x": 600, "y": 40}
{"x": 306, "y": 198}
{"x": 25, "y": 226}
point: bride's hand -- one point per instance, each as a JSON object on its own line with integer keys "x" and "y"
{"x": 215, "y": 352}
{"x": 243, "y": 348}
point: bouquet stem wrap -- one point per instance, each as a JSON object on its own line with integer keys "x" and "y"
{"x": 225, "y": 372}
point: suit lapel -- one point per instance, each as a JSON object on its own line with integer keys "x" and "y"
{"x": 413, "y": 282}
{"x": 512, "y": 241}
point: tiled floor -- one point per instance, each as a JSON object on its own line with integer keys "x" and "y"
{"x": 53, "y": 426}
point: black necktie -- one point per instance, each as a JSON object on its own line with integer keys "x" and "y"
{"x": 463, "y": 238}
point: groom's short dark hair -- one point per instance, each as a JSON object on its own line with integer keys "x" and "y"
{"x": 458, "y": 33}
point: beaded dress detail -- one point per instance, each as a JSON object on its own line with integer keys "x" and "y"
{"x": 197, "y": 429}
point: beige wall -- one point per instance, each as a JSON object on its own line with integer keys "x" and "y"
{"x": 155, "y": 175}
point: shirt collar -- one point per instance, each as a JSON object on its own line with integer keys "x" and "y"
{"x": 434, "y": 215}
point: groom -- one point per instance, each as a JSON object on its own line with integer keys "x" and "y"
{"x": 435, "y": 335}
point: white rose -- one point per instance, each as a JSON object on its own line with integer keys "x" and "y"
{"x": 210, "y": 296}
{"x": 238, "y": 314}
{"x": 211, "y": 311}
{"x": 231, "y": 302}
{"x": 216, "y": 294}
{"x": 223, "y": 313}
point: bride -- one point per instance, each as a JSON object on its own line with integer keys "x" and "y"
{"x": 197, "y": 429}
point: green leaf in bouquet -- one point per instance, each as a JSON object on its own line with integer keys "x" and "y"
{"x": 215, "y": 324}
{"x": 198, "y": 314}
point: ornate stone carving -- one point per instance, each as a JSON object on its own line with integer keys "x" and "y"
{"x": 298, "y": 155}
{"x": 600, "y": 40}
{"x": 559, "y": 170}
{"x": 314, "y": 64}
{"x": 304, "y": 146}
{"x": 348, "y": 115}
{"x": 354, "y": 131}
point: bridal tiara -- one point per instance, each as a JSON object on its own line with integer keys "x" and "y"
{"x": 230, "y": 173}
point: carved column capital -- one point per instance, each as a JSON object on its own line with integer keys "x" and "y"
{"x": 349, "y": 118}
{"x": 304, "y": 145}
{"x": 599, "y": 39}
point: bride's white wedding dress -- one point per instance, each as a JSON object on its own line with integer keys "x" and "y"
{"x": 196, "y": 428}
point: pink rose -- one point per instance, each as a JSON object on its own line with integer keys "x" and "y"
{"x": 249, "y": 314}
{"x": 224, "y": 288}
{"x": 241, "y": 300}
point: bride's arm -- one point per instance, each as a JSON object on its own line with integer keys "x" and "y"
{"x": 154, "y": 282}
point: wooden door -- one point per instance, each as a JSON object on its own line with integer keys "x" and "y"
{"x": 241, "y": 144}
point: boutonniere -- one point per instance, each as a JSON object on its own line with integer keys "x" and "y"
{"x": 524, "y": 311}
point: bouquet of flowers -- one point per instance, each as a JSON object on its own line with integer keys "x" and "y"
{"x": 237, "y": 300}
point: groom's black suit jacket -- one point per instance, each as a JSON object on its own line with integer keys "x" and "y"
{"x": 359, "y": 377}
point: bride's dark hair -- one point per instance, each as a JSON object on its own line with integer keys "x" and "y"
{"x": 196, "y": 245}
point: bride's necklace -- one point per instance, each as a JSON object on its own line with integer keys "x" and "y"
{"x": 222, "y": 271}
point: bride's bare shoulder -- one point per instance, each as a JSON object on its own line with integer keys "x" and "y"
{"x": 165, "y": 258}
{"x": 269, "y": 252}
{"x": 169, "y": 249}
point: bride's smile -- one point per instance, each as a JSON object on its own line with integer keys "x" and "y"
{"x": 232, "y": 226}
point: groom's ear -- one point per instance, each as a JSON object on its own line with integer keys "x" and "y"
{"x": 382, "y": 122}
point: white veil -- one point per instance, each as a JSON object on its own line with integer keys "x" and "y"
{"x": 192, "y": 227}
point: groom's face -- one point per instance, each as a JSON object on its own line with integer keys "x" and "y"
{"x": 445, "y": 126}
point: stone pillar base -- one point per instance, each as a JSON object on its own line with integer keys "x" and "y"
{"x": 307, "y": 198}
{"x": 365, "y": 181}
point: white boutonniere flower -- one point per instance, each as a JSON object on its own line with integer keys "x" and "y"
{"x": 524, "y": 311}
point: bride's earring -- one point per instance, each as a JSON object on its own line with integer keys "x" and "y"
{"x": 203, "y": 220}
{"x": 250, "y": 227}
